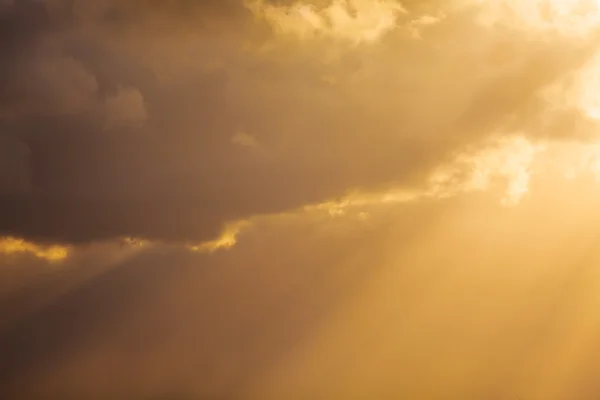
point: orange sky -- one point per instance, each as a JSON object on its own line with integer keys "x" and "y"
{"x": 260, "y": 199}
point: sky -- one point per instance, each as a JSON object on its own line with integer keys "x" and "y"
{"x": 294, "y": 199}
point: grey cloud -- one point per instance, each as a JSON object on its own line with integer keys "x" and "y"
{"x": 14, "y": 165}
{"x": 330, "y": 117}
{"x": 125, "y": 109}
{"x": 54, "y": 86}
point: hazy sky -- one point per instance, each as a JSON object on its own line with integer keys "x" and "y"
{"x": 286, "y": 199}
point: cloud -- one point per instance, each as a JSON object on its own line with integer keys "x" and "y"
{"x": 54, "y": 86}
{"x": 355, "y": 21}
{"x": 14, "y": 165}
{"x": 12, "y": 246}
{"x": 358, "y": 105}
{"x": 241, "y": 138}
{"x": 125, "y": 109}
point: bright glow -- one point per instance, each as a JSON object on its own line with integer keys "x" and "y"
{"x": 13, "y": 246}
{"x": 133, "y": 242}
{"x": 226, "y": 240}
{"x": 575, "y": 18}
{"x": 587, "y": 88}
{"x": 510, "y": 159}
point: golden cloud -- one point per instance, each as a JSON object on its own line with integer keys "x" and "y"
{"x": 14, "y": 246}
{"x": 355, "y": 21}
{"x": 572, "y": 18}
{"x": 225, "y": 241}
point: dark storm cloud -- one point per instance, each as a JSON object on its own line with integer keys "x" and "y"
{"x": 14, "y": 165}
{"x": 129, "y": 110}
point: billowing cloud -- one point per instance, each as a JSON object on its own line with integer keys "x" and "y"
{"x": 14, "y": 165}
{"x": 355, "y": 21}
{"x": 342, "y": 96}
{"x": 125, "y": 109}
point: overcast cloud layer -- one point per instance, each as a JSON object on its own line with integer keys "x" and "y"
{"x": 112, "y": 111}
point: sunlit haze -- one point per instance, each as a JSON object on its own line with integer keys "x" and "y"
{"x": 326, "y": 199}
